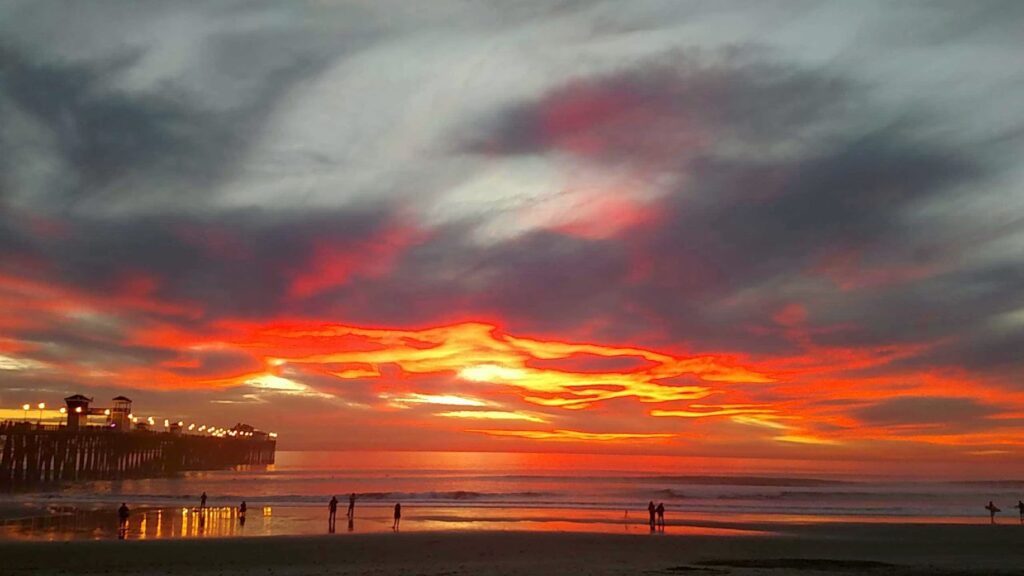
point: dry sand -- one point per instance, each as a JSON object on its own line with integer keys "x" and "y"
{"x": 804, "y": 550}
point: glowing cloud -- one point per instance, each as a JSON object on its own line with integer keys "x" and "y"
{"x": 491, "y": 415}
{"x": 273, "y": 383}
{"x": 475, "y": 352}
{"x": 725, "y": 410}
{"x": 573, "y": 435}
{"x": 490, "y": 373}
{"x": 441, "y": 399}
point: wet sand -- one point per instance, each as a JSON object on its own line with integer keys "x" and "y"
{"x": 155, "y": 523}
{"x": 884, "y": 549}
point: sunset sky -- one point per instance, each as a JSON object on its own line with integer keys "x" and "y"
{"x": 743, "y": 229}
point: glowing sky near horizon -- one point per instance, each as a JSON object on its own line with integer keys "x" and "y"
{"x": 788, "y": 230}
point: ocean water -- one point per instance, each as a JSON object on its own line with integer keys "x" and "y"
{"x": 440, "y": 490}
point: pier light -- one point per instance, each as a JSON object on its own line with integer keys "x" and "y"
{"x": 63, "y": 410}
{"x": 180, "y": 423}
{"x": 150, "y": 420}
{"x": 191, "y": 427}
{"x": 167, "y": 423}
{"x": 42, "y": 405}
{"x": 106, "y": 412}
{"x": 272, "y": 434}
{"x": 78, "y": 409}
{"x": 26, "y": 407}
{"x": 131, "y": 417}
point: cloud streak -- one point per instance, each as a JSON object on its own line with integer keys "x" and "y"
{"x": 747, "y": 230}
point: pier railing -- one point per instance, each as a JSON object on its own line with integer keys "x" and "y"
{"x": 32, "y": 454}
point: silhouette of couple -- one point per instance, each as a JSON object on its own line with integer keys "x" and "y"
{"x": 332, "y": 508}
{"x": 657, "y": 516}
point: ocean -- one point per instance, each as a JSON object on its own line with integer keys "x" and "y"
{"x": 467, "y": 490}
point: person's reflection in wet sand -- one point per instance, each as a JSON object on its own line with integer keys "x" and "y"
{"x": 351, "y": 524}
{"x": 122, "y": 517}
{"x": 332, "y": 512}
{"x": 202, "y": 521}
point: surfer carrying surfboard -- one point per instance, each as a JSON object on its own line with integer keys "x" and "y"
{"x": 992, "y": 509}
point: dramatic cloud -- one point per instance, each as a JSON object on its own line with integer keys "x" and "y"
{"x": 751, "y": 229}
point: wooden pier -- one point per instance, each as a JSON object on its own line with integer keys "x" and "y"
{"x": 33, "y": 455}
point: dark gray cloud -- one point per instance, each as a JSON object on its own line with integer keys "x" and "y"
{"x": 946, "y": 412}
{"x": 213, "y": 166}
{"x": 104, "y": 149}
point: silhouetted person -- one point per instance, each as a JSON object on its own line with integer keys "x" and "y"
{"x": 661, "y": 515}
{"x": 122, "y": 524}
{"x": 650, "y": 512}
{"x": 241, "y": 513}
{"x": 1020, "y": 506}
{"x": 202, "y": 501}
{"x": 332, "y": 513}
{"x": 398, "y": 517}
{"x": 992, "y": 509}
{"x": 352, "y": 505}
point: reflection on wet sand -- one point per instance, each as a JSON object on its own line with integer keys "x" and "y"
{"x": 225, "y": 522}
{"x": 143, "y": 524}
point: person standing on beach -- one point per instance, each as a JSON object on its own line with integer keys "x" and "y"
{"x": 650, "y": 512}
{"x": 352, "y": 505}
{"x": 661, "y": 515}
{"x": 122, "y": 516}
{"x": 1020, "y": 506}
{"x": 202, "y": 501}
{"x": 992, "y": 509}
{"x": 398, "y": 516}
{"x": 332, "y": 513}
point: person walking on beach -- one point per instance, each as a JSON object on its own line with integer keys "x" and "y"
{"x": 398, "y": 516}
{"x": 661, "y": 515}
{"x": 1020, "y": 506}
{"x": 122, "y": 517}
{"x": 352, "y": 505}
{"x": 992, "y": 509}
{"x": 332, "y": 513}
{"x": 241, "y": 513}
{"x": 650, "y": 512}
{"x": 202, "y": 501}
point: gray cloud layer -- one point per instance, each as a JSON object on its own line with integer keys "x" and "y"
{"x": 858, "y": 160}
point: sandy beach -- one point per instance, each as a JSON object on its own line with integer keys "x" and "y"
{"x": 808, "y": 549}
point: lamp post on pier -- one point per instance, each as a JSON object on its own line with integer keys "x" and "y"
{"x": 41, "y": 406}
{"x": 26, "y": 408}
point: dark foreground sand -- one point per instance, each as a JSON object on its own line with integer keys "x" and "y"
{"x": 804, "y": 550}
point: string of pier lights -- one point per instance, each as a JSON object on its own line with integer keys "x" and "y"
{"x": 42, "y": 406}
{"x": 201, "y": 429}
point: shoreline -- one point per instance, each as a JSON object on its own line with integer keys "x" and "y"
{"x": 886, "y": 549}
{"x": 67, "y": 522}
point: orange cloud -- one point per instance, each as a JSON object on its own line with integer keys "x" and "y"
{"x": 476, "y": 352}
{"x": 573, "y": 435}
{"x": 443, "y": 400}
{"x": 492, "y": 415}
